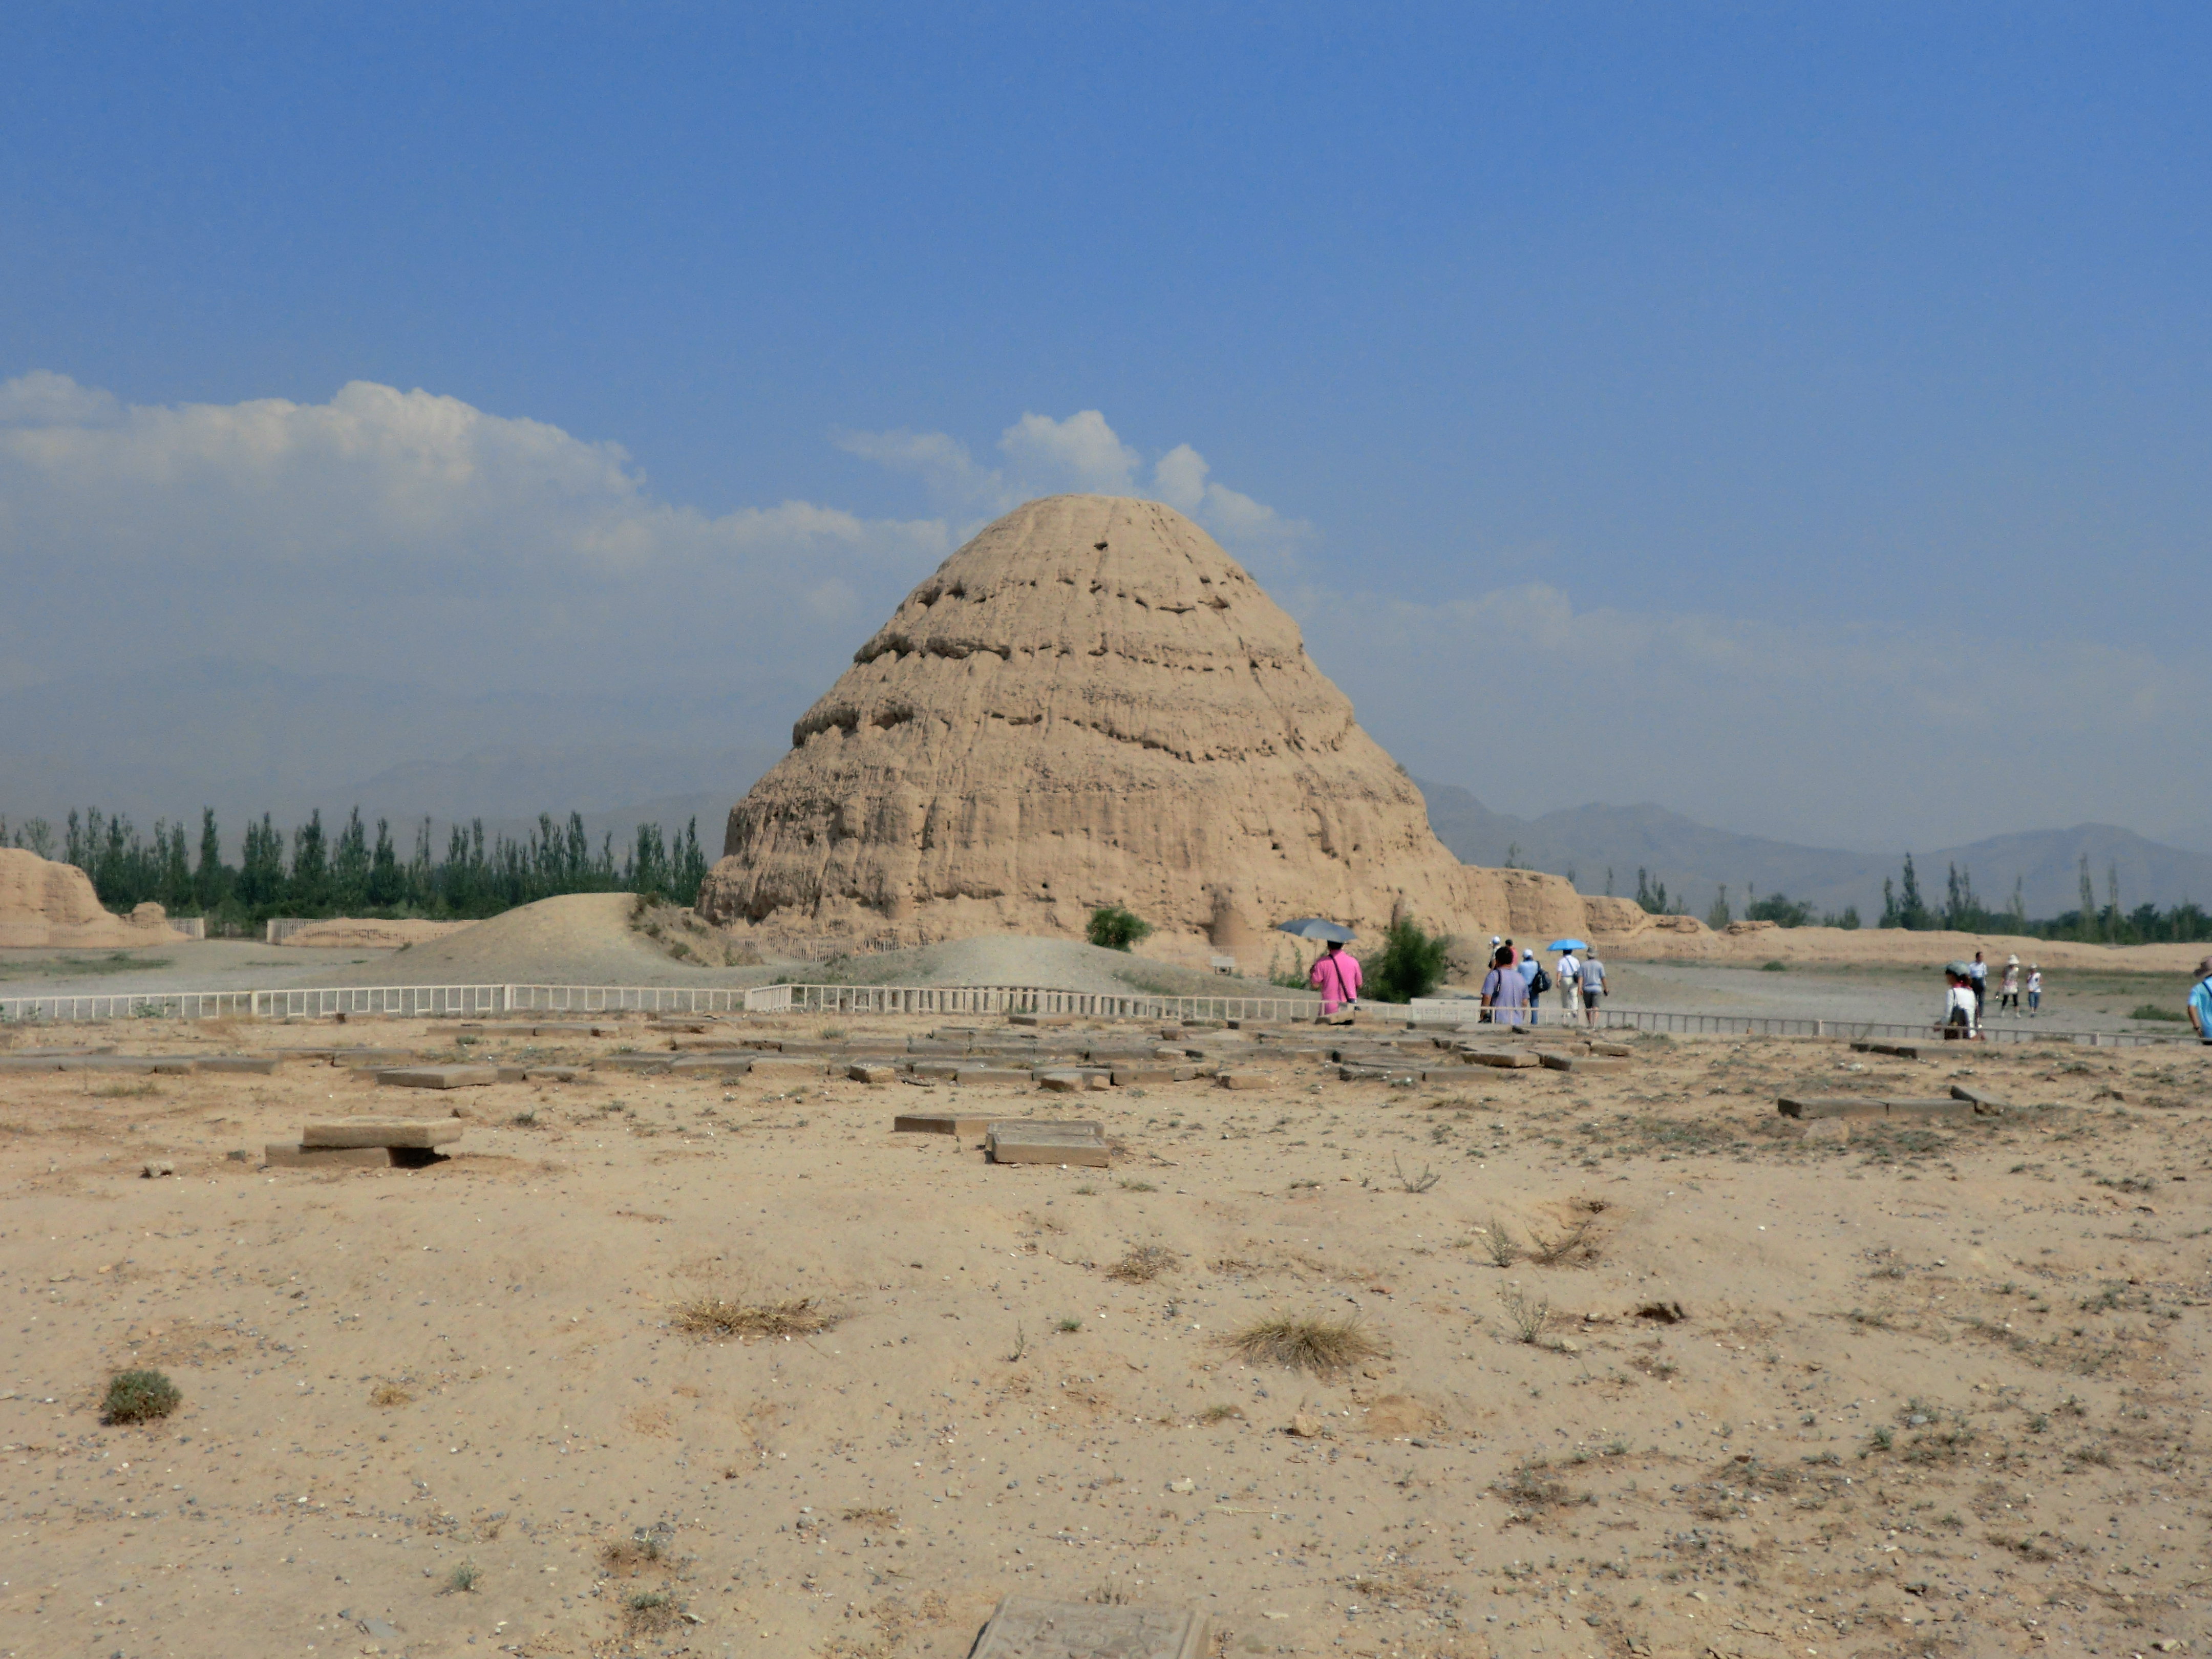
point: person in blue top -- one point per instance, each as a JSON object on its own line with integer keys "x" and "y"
{"x": 2200, "y": 1001}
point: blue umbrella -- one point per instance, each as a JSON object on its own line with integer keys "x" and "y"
{"x": 1314, "y": 927}
{"x": 1566, "y": 945}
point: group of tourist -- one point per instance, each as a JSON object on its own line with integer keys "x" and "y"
{"x": 1514, "y": 988}
{"x": 1967, "y": 993}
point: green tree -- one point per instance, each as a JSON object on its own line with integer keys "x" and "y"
{"x": 308, "y": 892}
{"x": 1718, "y": 917}
{"x": 349, "y": 868}
{"x": 1114, "y": 928}
{"x": 1413, "y": 963}
{"x": 386, "y": 885}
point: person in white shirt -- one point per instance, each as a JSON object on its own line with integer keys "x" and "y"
{"x": 1570, "y": 978}
{"x": 1959, "y": 1007}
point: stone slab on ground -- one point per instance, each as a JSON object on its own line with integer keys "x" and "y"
{"x": 1151, "y": 1072}
{"x": 354, "y": 1131}
{"x": 1553, "y": 1060}
{"x": 438, "y": 1077}
{"x": 730, "y": 1062}
{"x": 941, "y": 1123}
{"x": 371, "y": 1057}
{"x": 644, "y": 1063}
{"x": 245, "y": 1065}
{"x": 1246, "y": 1079}
{"x": 1040, "y": 1019}
{"x": 862, "y": 1071}
{"x": 1039, "y": 1142}
{"x": 1895, "y": 1051}
{"x": 1026, "y": 1628}
{"x": 1812, "y": 1106}
{"x": 989, "y": 1076}
{"x": 1064, "y": 1083}
{"x": 779, "y": 1070}
{"x": 546, "y": 1074}
{"x": 938, "y": 1071}
{"x": 281, "y": 1155}
{"x": 1981, "y": 1099}
{"x": 1816, "y": 1106}
{"x": 1506, "y": 1060}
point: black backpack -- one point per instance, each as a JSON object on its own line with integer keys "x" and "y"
{"x": 1542, "y": 982}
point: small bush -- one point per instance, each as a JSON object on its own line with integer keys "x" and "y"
{"x": 2153, "y": 1010}
{"x": 710, "y": 1316}
{"x": 1527, "y": 1316}
{"x": 464, "y": 1579}
{"x": 1412, "y": 964}
{"x": 1310, "y": 1344}
{"x": 390, "y": 1393}
{"x": 139, "y": 1397}
{"x": 1143, "y": 1263}
{"x": 647, "y": 1612}
{"x": 1114, "y": 928}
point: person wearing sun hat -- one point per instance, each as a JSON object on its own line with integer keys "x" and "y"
{"x": 2200, "y": 1001}
{"x": 2008, "y": 988}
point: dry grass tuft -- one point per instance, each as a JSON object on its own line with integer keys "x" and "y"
{"x": 651, "y": 1613}
{"x": 1499, "y": 1242}
{"x": 390, "y": 1393}
{"x": 875, "y": 1517}
{"x": 1143, "y": 1263}
{"x": 646, "y": 1548}
{"x": 1527, "y": 1314}
{"x": 714, "y": 1317}
{"x": 1309, "y": 1344}
{"x": 1576, "y": 1244}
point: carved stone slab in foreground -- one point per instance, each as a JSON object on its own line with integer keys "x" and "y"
{"x": 1024, "y": 1628}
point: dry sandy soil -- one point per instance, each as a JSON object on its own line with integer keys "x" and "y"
{"x": 1932, "y": 1390}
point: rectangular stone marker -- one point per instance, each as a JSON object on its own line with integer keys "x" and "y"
{"x": 1809, "y": 1106}
{"x": 283, "y": 1155}
{"x": 549, "y": 1074}
{"x": 1553, "y": 1061}
{"x": 1616, "y": 1050}
{"x": 1065, "y": 1082}
{"x": 371, "y": 1056}
{"x": 871, "y": 1074}
{"x": 1001, "y": 1076}
{"x": 419, "y": 1132}
{"x": 1922, "y": 1108}
{"x": 766, "y": 1070}
{"x": 439, "y": 1077}
{"x": 1507, "y": 1060}
{"x": 940, "y": 1123}
{"x": 1143, "y": 1073}
{"x": 938, "y": 1071}
{"x": 1025, "y": 1627}
{"x": 249, "y": 1065}
{"x": 643, "y": 1064}
{"x": 1983, "y": 1103}
{"x": 1046, "y": 1143}
{"x": 732, "y": 1063}
{"x": 1896, "y": 1050}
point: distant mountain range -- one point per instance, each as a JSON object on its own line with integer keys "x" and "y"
{"x": 1695, "y": 859}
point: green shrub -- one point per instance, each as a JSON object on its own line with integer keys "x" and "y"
{"x": 1412, "y": 964}
{"x": 2152, "y": 1011}
{"x": 139, "y": 1397}
{"x": 1114, "y": 928}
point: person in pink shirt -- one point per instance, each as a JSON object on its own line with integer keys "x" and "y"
{"x": 1336, "y": 976}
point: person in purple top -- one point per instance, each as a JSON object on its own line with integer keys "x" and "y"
{"x": 1505, "y": 993}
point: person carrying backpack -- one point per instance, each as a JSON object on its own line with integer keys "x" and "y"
{"x": 1538, "y": 982}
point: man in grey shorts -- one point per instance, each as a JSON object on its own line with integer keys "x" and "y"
{"x": 1593, "y": 984}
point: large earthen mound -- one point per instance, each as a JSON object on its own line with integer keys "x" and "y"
{"x": 45, "y": 904}
{"x": 1090, "y": 703}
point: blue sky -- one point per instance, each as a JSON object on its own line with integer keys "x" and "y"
{"x": 1776, "y": 398}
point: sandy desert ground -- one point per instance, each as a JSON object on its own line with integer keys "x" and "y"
{"x": 1928, "y": 1389}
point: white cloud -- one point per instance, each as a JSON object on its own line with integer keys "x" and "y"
{"x": 388, "y": 531}
{"x": 1082, "y": 452}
